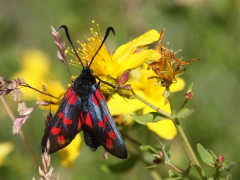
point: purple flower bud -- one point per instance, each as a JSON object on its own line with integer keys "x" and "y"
{"x": 124, "y": 77}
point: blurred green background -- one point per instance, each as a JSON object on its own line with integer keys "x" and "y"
{"x": 205, "y": 29}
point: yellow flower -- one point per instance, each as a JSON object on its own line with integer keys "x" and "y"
{"x": 35, "y": 71}
{"x": 151, "y": 92}
{"x": 35, "y": 67}
{"x": 127, "y": 56}
{"x": 54, "y": 88}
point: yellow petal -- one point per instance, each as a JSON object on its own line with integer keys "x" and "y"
{"x": 164, "y": 129}
{"x": 178, "y": 86}
{"x": 56, "y": 89}
{"x": 71, "y": 152}
{"x": 129, "y": 48}
{"x": 118, "y": 105}
{"x": 133, "y": 61}
{"x": 35, "y": 66}
{"x": 125, "y": 56}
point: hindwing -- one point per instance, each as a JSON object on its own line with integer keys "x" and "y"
{"x": 101, "y": 125}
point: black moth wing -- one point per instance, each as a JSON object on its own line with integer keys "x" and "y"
{"x": 65, "y": 124}
{"x": 102, "y": 125}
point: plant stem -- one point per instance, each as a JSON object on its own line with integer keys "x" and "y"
{"x": 153, "y": 107}
{"x": 188, "y": 148}
{"x": 169, "y": 98}
{"x": 184, "y": 139}
{"x": 139, "y": 144}
{"x": 181, "y": 133}
{"x": 20, "y": 132}
{"x": 184, "y": 103}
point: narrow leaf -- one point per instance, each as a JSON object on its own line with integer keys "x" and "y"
{"x": 148, "y": 148}
{"x": 149, "y": 117}
{"x": 213, "y": 154}
{"x": 185, "y": 112}
{"x": 205, "y": 155}
{"x": 165, "y": 155}
{"x": 173, "y": 176}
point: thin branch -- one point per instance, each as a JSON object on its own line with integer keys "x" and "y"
{"x": 153, "y": 107}
{"x": 30, "y": 87}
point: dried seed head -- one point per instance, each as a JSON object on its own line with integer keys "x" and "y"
{"x": 60, "y": 45}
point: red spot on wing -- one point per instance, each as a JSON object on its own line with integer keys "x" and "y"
{"x": 95, "y": 100}
{"x": 60, "y": 115}
{"x": 80, "y": 121}
{"x": 112, "y": 135}
{"x": 106, "y": 118}
{"x": 109, "y": 143}
{"x": 55, "y": 130}
{"x": 61, "y": 139}
{"x": 88, "y": 121}
{"x": 67, "y": 121}
{"x": 99, "y": 95}
{"x": 101, "y": 124}
{"x": 73, "y": 98}
{"x": 69, "y": 92}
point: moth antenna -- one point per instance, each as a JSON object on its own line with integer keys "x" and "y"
{"x": 70, "y": 41}
{"x": 104, "y": 39}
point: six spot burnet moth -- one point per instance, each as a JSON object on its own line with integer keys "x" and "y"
{"x": 84, "y": 108}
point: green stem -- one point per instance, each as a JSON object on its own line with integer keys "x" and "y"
{"x": 184, "y": 103}
{"x": 184, "y": 139}
{"x": 169, "y": 98}
{"x": 181, "y": 133}
{"x": 188, "y": 148}
{"x": 153, "y": 107}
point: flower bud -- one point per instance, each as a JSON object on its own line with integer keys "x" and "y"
{"x": 221, "y": 158}
{"x": 124, "y": 77}
{"x": 157, "y": 161}
{"x": 189, "y": 96}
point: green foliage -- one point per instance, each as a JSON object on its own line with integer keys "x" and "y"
{"x": 205, "y": 155}
{"x": 147, "y": 118}
{"x": 184, "y": 112}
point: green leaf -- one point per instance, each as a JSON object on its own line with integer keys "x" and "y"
{"x": 174, "y": 178}
{"x": 211, "y": 178}
{"x": 190, "y": 88}
{"x": 149, "y": 117}
{"x": 165, "y": 155}
{"x": 213, "y": 154}
{"x": 205, "y": 155}
{"x": 229, "y": 177}
{"x": 185, "y": 112}
{"x": 148, "y": 148}
{"x": 187, "y": 171}
{"x": 121, "y": 167}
